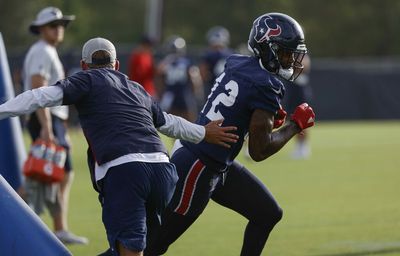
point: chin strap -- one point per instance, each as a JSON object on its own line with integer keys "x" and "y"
{"x": 284, "y": 73}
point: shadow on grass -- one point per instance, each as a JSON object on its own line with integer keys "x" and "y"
{"x": 366, "y": 252}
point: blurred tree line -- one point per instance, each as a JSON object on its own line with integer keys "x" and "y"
{"x": 341, "y": 28}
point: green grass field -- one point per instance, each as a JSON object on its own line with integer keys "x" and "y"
{"x": 344, "y": 200}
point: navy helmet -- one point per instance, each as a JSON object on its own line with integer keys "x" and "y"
{"x": 278, "y": 40}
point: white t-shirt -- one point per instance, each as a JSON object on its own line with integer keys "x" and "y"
{"x": 42, "y": 59}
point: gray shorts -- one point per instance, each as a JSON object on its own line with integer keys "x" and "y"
{"x": 39, "y": 195}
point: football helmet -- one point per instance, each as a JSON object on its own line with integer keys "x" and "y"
{"x": 218, "y": 36}
{"x": 278, "y": 40}
{"x": 175, "y": 44}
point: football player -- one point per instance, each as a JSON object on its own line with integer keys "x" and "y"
{"x": 177, "y": 80}
{"x": 213, "y": 61}
{"x": 247, "y": 95}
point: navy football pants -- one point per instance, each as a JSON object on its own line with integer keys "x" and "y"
{"x": 133, "y": 196}
{"x": 240, "y": 191}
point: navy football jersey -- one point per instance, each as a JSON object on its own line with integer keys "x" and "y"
{"x": 215, "y": 60}
{"x": 176, "y": 73}
{"x": 243, "y": 87}
{"x": 117, "y": 116}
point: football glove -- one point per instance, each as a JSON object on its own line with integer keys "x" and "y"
{"x": 303, "y": 116}
{"x": 279, "y": 118}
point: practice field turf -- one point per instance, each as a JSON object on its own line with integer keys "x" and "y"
{"x": 344, "y": 200}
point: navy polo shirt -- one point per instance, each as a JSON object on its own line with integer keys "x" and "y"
{"x": 117, "y": 116}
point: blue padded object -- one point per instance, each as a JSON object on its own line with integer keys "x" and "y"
{"x": 21, "y": 230}
{"x": 12, "y": 150}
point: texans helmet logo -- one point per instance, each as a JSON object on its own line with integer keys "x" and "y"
{"x": 263, "y": 31}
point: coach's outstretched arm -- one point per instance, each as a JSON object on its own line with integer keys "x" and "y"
{"x": 176, "y": 127}
{"x": 180, "y": 128}
{"x": 263, "y": 142}
{"x": 29, "y": 101}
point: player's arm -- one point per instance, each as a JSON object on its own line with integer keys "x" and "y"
{"x": 264, "y": 142}
{"x": 180, "y": 128}
{"x": 196, "y": 81}
{"x": 29, "y": 101}
{"x": 204, "y": 71}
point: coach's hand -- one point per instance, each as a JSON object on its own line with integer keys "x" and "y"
{"x": 216, "y": 134}
{"x": 279, "y": 118}
{"x": 303, "y": 116}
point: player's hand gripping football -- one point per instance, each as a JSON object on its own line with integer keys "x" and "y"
{"x": 219, "y": 135}
{"x": 279, "y": 118}
{"x": 303, "y": 116}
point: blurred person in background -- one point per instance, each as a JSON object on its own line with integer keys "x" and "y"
{"x": 248, "y": 95}
{"x": 213, "y": 60}
{"x": 141, "y": 66}
{"x": 297, "y": 92}
{"x": 176, "y": 79}
{"x": 42, "y": 67}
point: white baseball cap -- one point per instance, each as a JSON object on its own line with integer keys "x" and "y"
{"x": 98, "y": 44}
{"x": 47, "y": 15}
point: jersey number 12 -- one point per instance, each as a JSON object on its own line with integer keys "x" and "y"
{"x": 225, "y": 98}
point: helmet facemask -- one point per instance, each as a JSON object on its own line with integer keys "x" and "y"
{"x": 288, "y": 61}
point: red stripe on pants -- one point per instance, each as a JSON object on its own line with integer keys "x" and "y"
{"x": 189, "y": 187}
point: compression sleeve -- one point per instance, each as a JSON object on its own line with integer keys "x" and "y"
{"x": 27, "y": 102}
{"x": 180, "y": 128}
